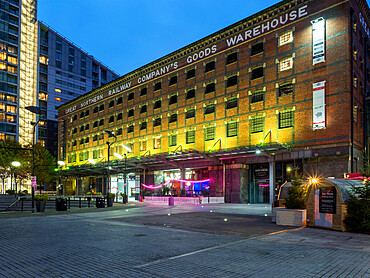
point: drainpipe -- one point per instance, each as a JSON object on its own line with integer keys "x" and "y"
{"x": 352, "y": 94}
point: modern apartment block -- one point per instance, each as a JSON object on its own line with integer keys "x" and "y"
{"x": 39, "y": 67}
{"x": 242, "y": 107}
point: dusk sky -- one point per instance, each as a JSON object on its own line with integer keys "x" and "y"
{"x": 126, "y": 34}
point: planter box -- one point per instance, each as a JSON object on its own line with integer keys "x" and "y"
{"x": 291, "y": 217}
{"x": 40, "y": 206}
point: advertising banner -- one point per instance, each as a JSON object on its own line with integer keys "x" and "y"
{"x": 318, "y": 41}
{"x": 318, "y": 105}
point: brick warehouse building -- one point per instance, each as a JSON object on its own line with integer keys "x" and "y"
{"x": 285, "y": 87}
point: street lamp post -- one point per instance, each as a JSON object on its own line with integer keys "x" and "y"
{"x": 128, "y": 149}
{"x": 110, "y": 134}
{"x": 15, "y": 164}
{"x": 36, "y": 110}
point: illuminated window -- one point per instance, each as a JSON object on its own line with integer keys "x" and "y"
{"x": 12, "y": 49}
{"x": 210, "y": 66}
{"x": 11, "y": 118}
{"x": 44, "y": 60}
{"x": 2, "y": 66}
{"x": 257, "y": 73}
{"x": 130, "y": 129}
{"x": 232, "y": 58}
{"x": 190, "y": 113}
{"x": 2, "y": 46}
{"x": 12, "y": 99}
{"x": 2, "y": 117}
{"x": 257, "y": 48}
{"x": 257, "y": 124}
{"x": 157, "y": 122}
{"x": 86, "y": 154}
{"x": 43, "y": 96}
{"x": 173, "y": 80}
{"x": 81, "y": 156}
{"x": 173, "y": 118}
{"x": 43, "y": 144}
{"x": 2, "y": 96}
{"x": 157, "y": 86}
{"x": 190, "y": 94}
{"x": 3, "y": 56}
{"x": 172, "y": 140}
{"x": 232, "y": 129}
{"x": 11, "y": 109}
{"x": 190, "y": 74}
{"x": 211, "y": 87}
{"x": 95, "y": 154}
{"x": 142, "y": 146}
{"x": 190, "y": 136}
{"x": 232, "y": 81}
{"x": 157, "y": 104}
{"x": 173, "y": 99}
{"x": 12, "y": 60}
{"x": 58, "y": 99}
{"x": 286, "y": 119}
{"x": 210, "y": 108}
{"x": 285, "y": 64}
{"x": 285, "y": 38}
{"x": 210, "y": 133}
{"x": 285, "y": 89}
{"x": 143, "y": 125}
{"x": 257, "y": 96}
{"x": 12, "y": 69}
{"x": 232, "y": 103}
{"x": 157, "y": 143}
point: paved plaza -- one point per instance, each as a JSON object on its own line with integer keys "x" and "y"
{"x": 141, "y": 240}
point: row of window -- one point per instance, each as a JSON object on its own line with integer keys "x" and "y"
{"x": 257, "y": 96}
{"x": 285, "y": 120}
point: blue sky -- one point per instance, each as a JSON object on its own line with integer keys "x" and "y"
{"x": 127, "y": 34}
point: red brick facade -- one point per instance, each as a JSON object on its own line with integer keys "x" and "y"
{"x": 277, "y": 117}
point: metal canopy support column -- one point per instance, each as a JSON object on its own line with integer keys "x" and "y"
{"x": 271, "y": 178}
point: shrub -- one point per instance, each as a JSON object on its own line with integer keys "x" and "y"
{"x": 41, "y": 197}
{"x": 297, "y": 192}
{"x": 88, "y": 193}
{"x": 10, "y": 191}
{"x": 98, "y": 193}
{"x": 111, "y": 195}
{"x": 358, "y": 209}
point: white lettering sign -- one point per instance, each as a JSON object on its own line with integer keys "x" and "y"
{"x": 318, "y": 41}
{"x": 318, "y": 105}
{"x": 91, "y": 100}
{"x": 71, "y": 109}
{"x": 119, "y": 89}
{"x": 158, "y": 72}
{"x": 201, "y": 54}
{"x": 267, "y": 26}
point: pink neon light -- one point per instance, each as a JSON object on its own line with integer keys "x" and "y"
{"x": 151, "y": 186}
{"x": 264, "y": 185}
{"x": 191, "y": 181}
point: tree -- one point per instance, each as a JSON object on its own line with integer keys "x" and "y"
{"x": 45, "y": 164}
{"x": 358, "y": 208}
{"x": 297, "y": 192}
